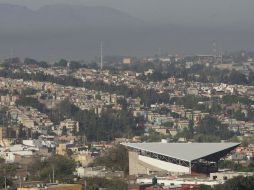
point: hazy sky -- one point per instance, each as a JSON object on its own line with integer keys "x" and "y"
{"x": 209, "y": 12}
{"x": 184, "y": 26}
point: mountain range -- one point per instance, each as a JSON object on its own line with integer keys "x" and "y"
{"x": 75, "y": 32}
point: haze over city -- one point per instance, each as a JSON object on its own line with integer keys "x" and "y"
{"x": 73, "y": 29}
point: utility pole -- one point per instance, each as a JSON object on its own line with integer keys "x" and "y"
{"x": 20, "y": 182}
{"x": 49, "y": 178}
{"x": 85, "y": 184}
{"x": 53, "y": 175}
{"x": 12, "y": 56}
{"x": 5, "y": 180}
{"x": 5, "y": 183}
{"x": 215, "y": 52}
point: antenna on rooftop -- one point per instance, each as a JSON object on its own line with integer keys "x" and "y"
{"x": 68, "y": 66}
{"x": 221, "y": 57}
{"x": 101, "y": 47}
{"x": 214, "y": 49}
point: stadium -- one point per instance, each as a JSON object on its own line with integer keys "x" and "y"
{"x": 176, "y": 158}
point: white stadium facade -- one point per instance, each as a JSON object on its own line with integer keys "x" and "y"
{"x": 176, "y": 158}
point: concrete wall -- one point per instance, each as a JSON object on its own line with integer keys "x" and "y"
{"x": 164, "y": 165}
{"x": 145, "y": 165}
{"x": 57, "y": 187}
{"x": 223, "y": 176}
{"x": 136, "y": 166}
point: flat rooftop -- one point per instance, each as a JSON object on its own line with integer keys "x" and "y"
{"x": 183, "y": 151}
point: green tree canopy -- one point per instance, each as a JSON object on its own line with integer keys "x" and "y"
{"x": 30, "y": 102}
{"x": 212, "y": 129}
{"x": 61, "y": 63}
{"x": 115, "y": 159}
{"x": 2, "y": 182}
{"x": 29, "y": 61}
{"x": 63, "y": 168}
{"x": 108, "y": 125}
{"x": 109, "y": 184}
{"x": 237, "y": 183}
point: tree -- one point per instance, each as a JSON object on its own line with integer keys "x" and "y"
{"x": 4, "y": 92}
{"x": 168, "y": 124}
{"x": 237, "y": 183}
{"x": 8, "y": 169}
{"x": 61, "y": 63}
{"x": 64, "y": 130}
{"x": 115, "y": 159}
{"x": 239, "y": 115}
{"x": 29, "y": 61}
{"x": 30, "y": 102}
{"x": 123, "y": 103}
{"x": 28, "y": 91}
{"x": 74, "y": 65}
{"x": 153, "y": 136}
{"x": 64, "y": 110}
{"x": 3, "y": 116}
{"x": 185, "y": 133}
{"x": 236, "y": 77}
{"x": 250, "y": 168}
{"x": 2, "y": 160}
{"x": 211, "y": 129}
{"x": 63, "y": 168}
{"x": 233, "y": 99}
{"x": 227, "y": 164}
{"x": 109, "y": 184}
{"x": 190, "y": 102}
{"x": 206, "y": 138}
{"x": 204, "y": 187}
{"x": 215, "y": 108}
{"x": 109, "y": 125}
{"x": 209, "y": 125}
{"x": 2, "y": 182}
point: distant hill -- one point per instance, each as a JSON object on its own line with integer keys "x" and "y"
{"x": 14, "y": 16}
{"x": 67, "y": 31}
{"x": 86, "y": 16}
